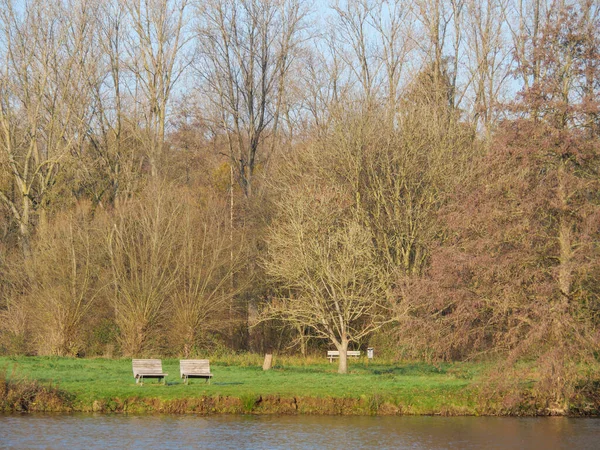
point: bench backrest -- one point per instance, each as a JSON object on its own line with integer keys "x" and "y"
{"x": 348, "y": 353}
{"x": 146, "y": 366}
{"x": 194, "y": 367}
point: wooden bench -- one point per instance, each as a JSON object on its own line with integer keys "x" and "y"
{"x": 147, "y": 368}
{"x": 194, "y": 368}
{"x": 332, "y": 354}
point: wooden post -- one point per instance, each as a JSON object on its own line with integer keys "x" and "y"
{"x": 268, "y": 361}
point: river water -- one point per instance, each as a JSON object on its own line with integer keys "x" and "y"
{"x": 88, "y": 431}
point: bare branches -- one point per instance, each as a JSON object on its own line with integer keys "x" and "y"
{"x": 322, "y": 254}
{"x": 154, "y": 49}
{"x": 246, "y": 49}
{"x": 64, "y": 286}
{"x": 42, "y": 105}
{"x": 209, "y": 261}
{"x": 143, "y": 248}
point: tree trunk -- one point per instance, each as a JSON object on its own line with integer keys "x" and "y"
{"x": 565, "y": 238}
{"x": 24, "y": 227}
{"x": 302, "y": 342}
{"x": 343, "y": 349}
{"x": 301, "y": 339}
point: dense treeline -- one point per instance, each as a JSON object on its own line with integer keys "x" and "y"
{"x": 180, "y": 177}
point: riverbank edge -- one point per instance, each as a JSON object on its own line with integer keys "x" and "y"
{"x": 48, "y": 399}
{"x": 366, "y": 405}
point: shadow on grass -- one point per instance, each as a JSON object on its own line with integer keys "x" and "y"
{"x": 306, "y": 369}
{"x": 181, "y": 383}
{"x": 410, "y": 369}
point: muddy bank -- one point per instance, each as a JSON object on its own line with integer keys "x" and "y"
{"x": 48, "y": 400}
{"x": 32, "y": 396}
{"x": 366, "y": 405}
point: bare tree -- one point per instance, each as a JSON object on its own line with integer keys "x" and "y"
{"x": 355, "y": 44}
{"x": 407, "y": 174}
{"x": 43, "y": 101}
{"x": 319, "y": 249}
{"x": 246, "y": 48}
{"x": 63, "y": 285}
{"x": 142, "y": 246}
{"x": 526, "y": 27}
{"x": 328, "y": 266}
{"x": 324, "y": 82}
{"x": 489, "y": 58}
{"x": 391, "y": 19}
{"x": 435, "y": 16}
{"x": 208, "y": 265}
{"x": 440, "y": 40}
{"x": 373, "y": 39}
{"x": 109, "y": 164}
{"x": 154, "y": 49}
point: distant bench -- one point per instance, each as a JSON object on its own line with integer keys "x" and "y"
{"x": 332, "y": 354}
{"x": 194, "y": 368}
{"x": 147, "y": 368}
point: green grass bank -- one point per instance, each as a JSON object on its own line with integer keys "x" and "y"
{"x": 293, "y": 386}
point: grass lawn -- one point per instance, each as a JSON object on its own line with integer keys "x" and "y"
{"x": 419, "y": 388}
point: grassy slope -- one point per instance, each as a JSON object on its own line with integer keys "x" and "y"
{"x": 419, "y": 388}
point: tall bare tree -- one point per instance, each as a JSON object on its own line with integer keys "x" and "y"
{"x": 407, "y": 174}
{"x": 355, "y": 44}
{"x": 391, "y": 19}
{"x": 43, "y": 101}
{"x": 208, "y": 264}
{"x": 324, "y": 82}
{"x": 63, "y": 285}
{"x": 528, "y": 19}
{"x": 435, "y": 17}
{"x": 155, "y": 50}
{"x": 326, "y": 261}
{"x": 246, "y": 48}
{"x": 142, "y": 246}
{"x": 320, "y": 250}
{"x": 109, "y": 164}
{"x": 489, "y": 58}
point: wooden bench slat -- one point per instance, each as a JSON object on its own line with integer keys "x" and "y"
{"x": 147, "y": 368}
{"x": 331, "y": 354}
{"x": 194, "y": 368}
